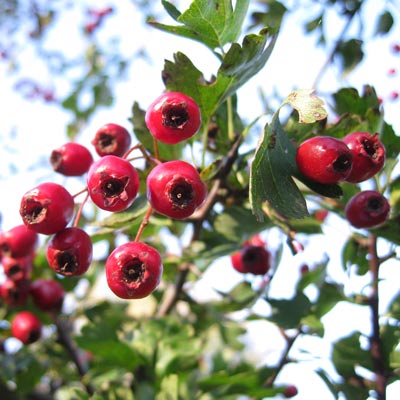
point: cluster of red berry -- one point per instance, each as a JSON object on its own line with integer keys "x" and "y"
{"x": 97, "y": 17}
{"x": 133, "y": 270}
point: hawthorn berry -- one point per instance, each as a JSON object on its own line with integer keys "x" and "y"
{"x": 175, "y": 189}
{"x": 251, "y": 259}
{"x": 17, "y": 268}
{"x": 47, "y": 208}
{"x": 26, "y": 327}
{"x": 47, "y": 294}
{"x": 367, "y": 209}
{"x": 71, "y": 159}
{"x": 111, "y": 139}
{"x": 113, "y": 183}
{"x": 18, "y": 241}
{"x": 69, "y": 252}
{"x": 368, "y": 155}
{"x": 324, "y": 159}
{"x": 15, "y": 293}
{"x": 290, "y": 391}
{"x": 173, "y": 117}
{"x": 133, "y": 270}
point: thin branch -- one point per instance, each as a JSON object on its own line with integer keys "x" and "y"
{"x": 376, "y": 348}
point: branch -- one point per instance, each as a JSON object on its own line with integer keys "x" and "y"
{"x": 375, "y": 340}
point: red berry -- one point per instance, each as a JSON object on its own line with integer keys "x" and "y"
{"x": 133, "y": 270}
{"x": 290, "y": 392}
{"x": 175, "y": 189}
{"x": 71, "y": 159}
{"x": 111, "y": 139}
{"x": 396, "y": 48}
{"x": 320, "y": 215}
{"x": 113, "y": 183}
{"x": 367, "y": 209}
{"x": 255, "y": 240}
{"x": 368, "y": 155}
{"x": 26, "y": 327}
{"x": 69, "y": 252}
{"x": 324, "y": 159}
{"x": 18, "y": 241}
{"x": 173, "y": 117}
{"x": 47, "y": 208}
{"x": 15, "y": 293}
{"x": 304, "y": 269}
{"x": 47, "y": 294}
{"x": 17, "y": 268}
{"x": 394, "y": 95}
{"x": 251, "y": 259}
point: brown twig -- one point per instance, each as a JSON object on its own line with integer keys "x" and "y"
{"x": 376, "y": 348}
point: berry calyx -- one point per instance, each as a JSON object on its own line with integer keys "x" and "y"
{"x": 47, "y": 208}
{"x": 113, "y": 183}
{"x": 47, "y": 294}
{"x": 324, "y": 159}
{"x": 133, "y": 270}
{"x": 251, "y": 259}
{"x": 111, "y": 139}
{"x": 26, "y": 327}
{"x": 175, "y": 189}
{"x": 17, "y": 268}
{"x": 368, "y": 155}
{"x": 71, "y": 159}
{"x": 18, "y": 241}
{"x": 69, "y": 252}
{"x": 173, "y": 117}
{"x": 367, "y": 209}
{"x": 15, "y": 292}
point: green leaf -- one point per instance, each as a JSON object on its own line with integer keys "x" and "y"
{"x": 350, "y": 54}
{"x": 238, "y": 66}
{"x": 329, "y": 295}
{"x": 385, "y": 23}
{"x": 390, "y": 230}
{"x": 391, "y": 141}
{"x": 287, "y": 314}
{"x": 240, "y": 297}
{"x": 211, "y": 22}
{"x": 347, "y": 354}
{"x": 354, "y": 254}
{"x": 271, "y": 175}
{"x": 169, "y": 388}
{"x": 309, "y": 106}
{"x": 394, "y": 308}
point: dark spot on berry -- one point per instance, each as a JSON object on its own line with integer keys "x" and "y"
{"x": 181, "y": 194}
{"x": 133, "y": 271}
{"x": 67, "y": 263}
{"x": 343, "y": 163}
{"x": 250, "y": 254}
{"x": 375, "y": 204}
{"x": 56, "y": 159}
{"x": 370, "y": 148}
{"x": 113, "y": 187}
{"x": 34, "y": 335}
{"x": 34, "y": 212}
{"x": 107, "y": 143}
{"x": 175, "y": 116}
{"x": 14, "y": 270}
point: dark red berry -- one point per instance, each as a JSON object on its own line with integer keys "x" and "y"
{"x": 47, "y": 208}
{"x": 69, "y": 252}
{"x": 26, "y": 327}
{"x": 111, "y": 139}
{"x": 113, "y": 183}
{"x": 175, "y": 189}
{"x": 290, "y": 391}
{"x": 251, "y": 259}
{"x": 17, "y": 268}
{"x": 71, "y": 159}
{"x": 18, "y": 241}
{"x": 173, "y": 117}
{"x": 368, "y": 155}
{"x": 324, "y": 159}
{"x": 47, "y": 294}
{"x": 15, "y": 293}
{"x": 367, "y": 209}
{"x": 304, "y": 269}
{"x": 133, "y": 270}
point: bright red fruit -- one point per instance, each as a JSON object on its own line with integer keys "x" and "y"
{"x": 113, "y": 183}
{"x": 71, "y": 159}
{"x": 17, "y": 268}
{"x": 133, "y": 270}
{"x": 324, "y": 159}
{"x": 26, "y": 327}
{"x": 69, "y": 252}
{"x": 18, "y": 241}
{"x": 251, "y": 259}
{"x": 47, "y": 208}
{"x": 367, "y": 209}
{"x": 173, "y": 117}
{"x": 15, "y": 293}
{"x": 368, "y": 155}
{"x": 111, "y": 139}
{"x": 290, "y": 392}
{"x": 175, "y": 189}
{"x": 47, "y": 294}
